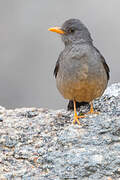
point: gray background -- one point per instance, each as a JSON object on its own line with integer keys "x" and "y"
{"x": 28, "y": 52}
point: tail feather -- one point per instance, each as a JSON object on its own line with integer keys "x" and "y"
{"x": 70, "y": 105}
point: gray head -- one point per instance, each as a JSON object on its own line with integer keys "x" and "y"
{"x": 73, "y": 31}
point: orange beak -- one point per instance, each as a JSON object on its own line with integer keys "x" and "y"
{"x": 57, "y": 30}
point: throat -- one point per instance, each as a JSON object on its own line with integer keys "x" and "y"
{"x": 79, "y": 42}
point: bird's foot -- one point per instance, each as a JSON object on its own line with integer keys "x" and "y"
{"x": 92, "y": 110}
{"x": 76, "y": 117}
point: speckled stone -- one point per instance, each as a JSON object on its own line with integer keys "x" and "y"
{"x": 43, "y": 144}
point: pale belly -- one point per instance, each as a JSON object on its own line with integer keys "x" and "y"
{"x": 85, "y": 89}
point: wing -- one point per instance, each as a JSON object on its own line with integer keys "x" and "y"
{"x": 56, "y": 68}
{"x": 57, "y": 65}
{"x": 106, "y": 67}
{"x": 104, "y": 64}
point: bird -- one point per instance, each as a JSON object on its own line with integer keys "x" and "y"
{"x": 81, "y": 71}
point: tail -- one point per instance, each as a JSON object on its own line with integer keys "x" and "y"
{"x": 70, "y": 106}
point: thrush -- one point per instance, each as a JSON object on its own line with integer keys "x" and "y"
{"x": 81, "y": 71}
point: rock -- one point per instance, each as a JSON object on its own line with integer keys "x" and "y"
{"x": 44, "y": 144}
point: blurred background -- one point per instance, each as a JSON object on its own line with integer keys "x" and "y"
{"x": 28, "y": 51}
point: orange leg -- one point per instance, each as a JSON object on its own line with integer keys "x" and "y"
{"x": 76, "y": 117}
{"x": 92, "y": 110}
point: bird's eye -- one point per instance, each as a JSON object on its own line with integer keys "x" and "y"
{"x": 71, "y": 30}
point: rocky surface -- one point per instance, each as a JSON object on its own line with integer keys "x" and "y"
{"x": 44, "y": 144}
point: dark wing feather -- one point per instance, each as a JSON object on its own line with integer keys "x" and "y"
{"x": 57, "y": 65}
{"x": 104, "y": 64}
{"x": 56, "y": 68}
{"x": 106, "y": 67}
